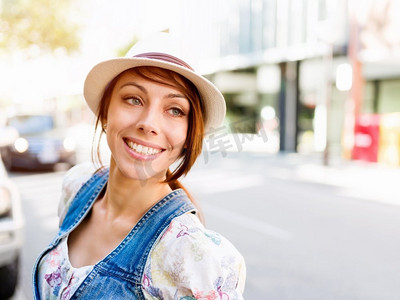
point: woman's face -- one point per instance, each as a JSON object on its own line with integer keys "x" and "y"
{"x": 147, "y": 124}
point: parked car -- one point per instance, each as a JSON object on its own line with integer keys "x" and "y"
{"x": 11, "y": 234}
{"x": 41, "y": 144}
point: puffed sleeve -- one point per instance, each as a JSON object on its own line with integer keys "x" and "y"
{"x": 72, "y": 182}
{"x": 191, "y": 262}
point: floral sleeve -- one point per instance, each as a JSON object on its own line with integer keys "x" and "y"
{"x": 190, "y": 262}
{"x": 73, "y": 180}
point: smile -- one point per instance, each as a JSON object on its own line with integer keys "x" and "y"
{"x": 143, "y": 150}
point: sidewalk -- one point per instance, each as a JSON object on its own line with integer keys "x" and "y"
{"x": 361, "y": 180}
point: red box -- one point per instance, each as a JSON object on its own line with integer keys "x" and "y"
{"x": 366, "y": 138}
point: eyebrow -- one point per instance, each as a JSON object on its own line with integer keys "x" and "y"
{"x": 172, "y": 95}
{"x": 143, "y": 89}
{"x": 134, "y": 84}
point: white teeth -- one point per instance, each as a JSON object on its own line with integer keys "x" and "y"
{"x": 142, "y": 149}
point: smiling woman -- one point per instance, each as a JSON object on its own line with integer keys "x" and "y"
{"x": 130, "y": 230}
{"x": 143, "y": 115}
{"x": 162, "y": 102}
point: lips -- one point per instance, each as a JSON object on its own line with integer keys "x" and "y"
{"x": 142, "y": 149}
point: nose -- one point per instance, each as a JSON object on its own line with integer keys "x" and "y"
{"x": 148, "y": 122}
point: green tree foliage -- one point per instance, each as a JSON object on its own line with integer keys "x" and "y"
{"x": 47, "y": 25}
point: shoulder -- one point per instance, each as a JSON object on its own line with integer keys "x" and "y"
{"x": 187, "y": 231}
{"x": 190, "y": 260}
{"x": 72, "y": 182}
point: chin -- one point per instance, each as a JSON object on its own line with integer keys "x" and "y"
{"x": 141, "y": 173}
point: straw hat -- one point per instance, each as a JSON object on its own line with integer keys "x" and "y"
{"x": 164, "y": 51}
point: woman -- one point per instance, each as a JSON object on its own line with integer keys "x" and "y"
{"x": 130, "y": 230}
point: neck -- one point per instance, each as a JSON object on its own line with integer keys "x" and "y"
{"x": 131, "y": 198}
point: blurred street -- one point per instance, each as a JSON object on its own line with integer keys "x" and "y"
{"x": 300, "y": 78}
{"x": 306, "y": 231}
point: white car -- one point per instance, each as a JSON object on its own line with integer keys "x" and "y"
{"x": 11, "y": 234}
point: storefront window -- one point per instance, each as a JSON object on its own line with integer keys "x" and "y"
{"x": 389, "y": 96}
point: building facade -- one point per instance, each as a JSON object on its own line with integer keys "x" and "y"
{"x": 308, "y": 69}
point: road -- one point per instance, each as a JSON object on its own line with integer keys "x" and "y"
{"x": 315, "y": 236}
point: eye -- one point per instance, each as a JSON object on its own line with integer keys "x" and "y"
{"x": 176, "y": 112}
{"x": 133, "y": 100}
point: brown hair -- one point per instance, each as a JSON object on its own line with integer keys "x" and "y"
{"x": 194, "y": 138}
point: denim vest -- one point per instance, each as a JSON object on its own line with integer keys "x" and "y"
{"x": 119, "y": 274}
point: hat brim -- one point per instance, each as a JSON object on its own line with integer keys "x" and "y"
{"x": 101, "y": 75}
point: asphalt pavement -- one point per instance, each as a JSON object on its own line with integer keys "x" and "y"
{"x": 307, "y": 231}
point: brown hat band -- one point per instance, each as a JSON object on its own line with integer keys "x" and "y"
{"x": 165, "y": 57}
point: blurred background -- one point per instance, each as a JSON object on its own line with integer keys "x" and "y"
{"x": 302, "y": 175}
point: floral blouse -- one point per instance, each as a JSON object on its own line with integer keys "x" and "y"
{"x": 58, "y": 279}
{"x": 188, "y": 261}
